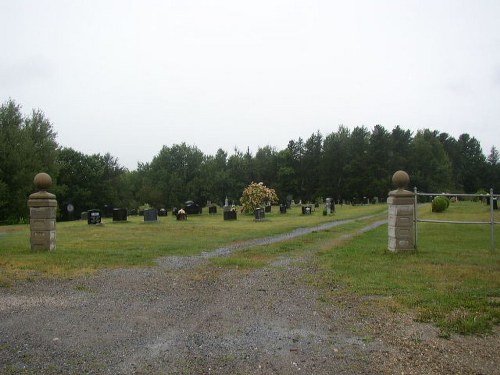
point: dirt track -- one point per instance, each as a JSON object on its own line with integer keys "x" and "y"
{"x": 187, "y": 316}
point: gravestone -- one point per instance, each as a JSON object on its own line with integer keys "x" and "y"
{"x": 43, "y": 207}
{"x": 181, "y": 215}
{"x": 70, "y": 210}
{"x": 162, "y": 212}
{"x": 119, "y": 214}
{"x": 94, "y": 216}
{"x": 212, "y": 210}
{"x": 282, "y": 208}
{"x": 192, "y": 208}
{"x": 84, "y": 215}
{"x": 108, "y": 210}
{"x": 268, "y": 208}
{"x": 306, "y": 210}
{"x": 151, "y": 215}
{"x": 133, "y": 212}
{"x": 230, "y": 214}
{"x": 401, "y": 225}
{"x": 259, "y": 214}
{"x": 330, "y": 206}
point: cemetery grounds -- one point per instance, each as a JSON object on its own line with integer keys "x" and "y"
{"x": 204, "y": 296}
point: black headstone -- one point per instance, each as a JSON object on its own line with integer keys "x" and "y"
{"x": 259, "y": 214}
{"x": 119, "y": 214}
{"x": 230, "y": 215}
{"x": 94, "y": 217}
{"x": 151, "y": 214}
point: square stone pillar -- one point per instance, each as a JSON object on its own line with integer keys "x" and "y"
{"x": 401, "y": 220}
{"x": 43, "y": 207}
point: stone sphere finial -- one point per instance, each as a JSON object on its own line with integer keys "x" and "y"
{"x": 400, "y": 179}
{"x": 42, "y": 181}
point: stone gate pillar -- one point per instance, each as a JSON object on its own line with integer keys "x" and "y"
{"x": 401, "y": 214}
{"x": 43, "y": 206}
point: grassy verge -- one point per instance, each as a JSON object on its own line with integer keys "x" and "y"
{"x": 453, "y": 280}
{"x": 83, "y": 248}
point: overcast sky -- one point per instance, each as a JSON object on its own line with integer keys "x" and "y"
{"x": 127, "y": 77}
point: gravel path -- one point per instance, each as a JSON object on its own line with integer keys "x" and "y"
{"x": 187, "y": 316}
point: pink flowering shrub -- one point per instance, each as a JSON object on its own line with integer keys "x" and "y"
{"x": 256, "y": 195}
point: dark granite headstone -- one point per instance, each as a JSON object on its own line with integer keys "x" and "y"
{"x": 119, "y": 214}
{"x": 94, "y": 217}
{"x": 306, "y": 210}
{"x": 230, "y": 215}
{"x": 150, "y": 215}
{"x": 212, "y": 210}
{"x": 193, "y": 209}
{"x": 259, "y": 214}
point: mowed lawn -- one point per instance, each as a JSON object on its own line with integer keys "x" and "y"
{"x": 83, "y": 248}
{"x": 451, "y": 280}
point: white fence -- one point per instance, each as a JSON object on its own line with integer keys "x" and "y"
{"x": 491, "y": 222}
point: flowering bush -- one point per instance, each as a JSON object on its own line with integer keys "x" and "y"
{"x": 255, "y": 195}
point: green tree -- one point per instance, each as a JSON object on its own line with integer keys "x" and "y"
{"x": 334, "y": 164}
{"x": 215, "y": 178}
{"x": 286, "y": 176}
{"x": 265, "y": 165}
{"x": 311, "y": 167}
{"x": 493, "y": 170}
{"x": 379, "y": 155}
{"x": 357, "y": 169}
{"x": 430, "y": 169}
{"x": 472, "y": 165}
{"x": 493, "y": 156}
{"x": 400, "y": 149}
{"x": 89, "y": 181}
{"x": 27, "y": 147}
{"x": 296, "y": 150}
{"x": 173, "y": 176}
{"x": 240, "y": 173}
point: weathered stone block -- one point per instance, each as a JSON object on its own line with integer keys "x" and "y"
{"x": 42, "y": 212}
{"x": 43, "y": 224}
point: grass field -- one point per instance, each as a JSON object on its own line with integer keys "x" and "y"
{"x": 452, "y": 280}
{"x": 83, "y": 248}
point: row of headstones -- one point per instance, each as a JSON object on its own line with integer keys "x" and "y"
{"x": 151, "y": 215}
{"x": 121, "y": 214}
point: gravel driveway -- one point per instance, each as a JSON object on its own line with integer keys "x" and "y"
{"x": 188, "y": 316}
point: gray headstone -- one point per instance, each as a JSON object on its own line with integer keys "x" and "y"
{"x": 151, "y": 214}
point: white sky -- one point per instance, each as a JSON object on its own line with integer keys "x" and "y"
{"x": 128, "y": 77}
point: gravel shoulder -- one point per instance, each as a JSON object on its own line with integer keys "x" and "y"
{"x": 188, "y": 316}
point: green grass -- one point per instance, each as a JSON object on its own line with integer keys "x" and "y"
{"x": 452, "y": 280}
{"x": 83, "y": 248}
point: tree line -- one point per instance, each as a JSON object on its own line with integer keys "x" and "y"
{"x": 351, "y": 165}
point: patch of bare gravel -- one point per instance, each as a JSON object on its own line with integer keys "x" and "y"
{"x": 187, "y": 316}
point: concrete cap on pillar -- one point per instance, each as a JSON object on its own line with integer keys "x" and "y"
{"x": 401, "y": 180}
{"x": 42, "y": 182}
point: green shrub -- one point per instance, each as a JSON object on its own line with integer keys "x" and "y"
{"x": 440, "y": 203}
